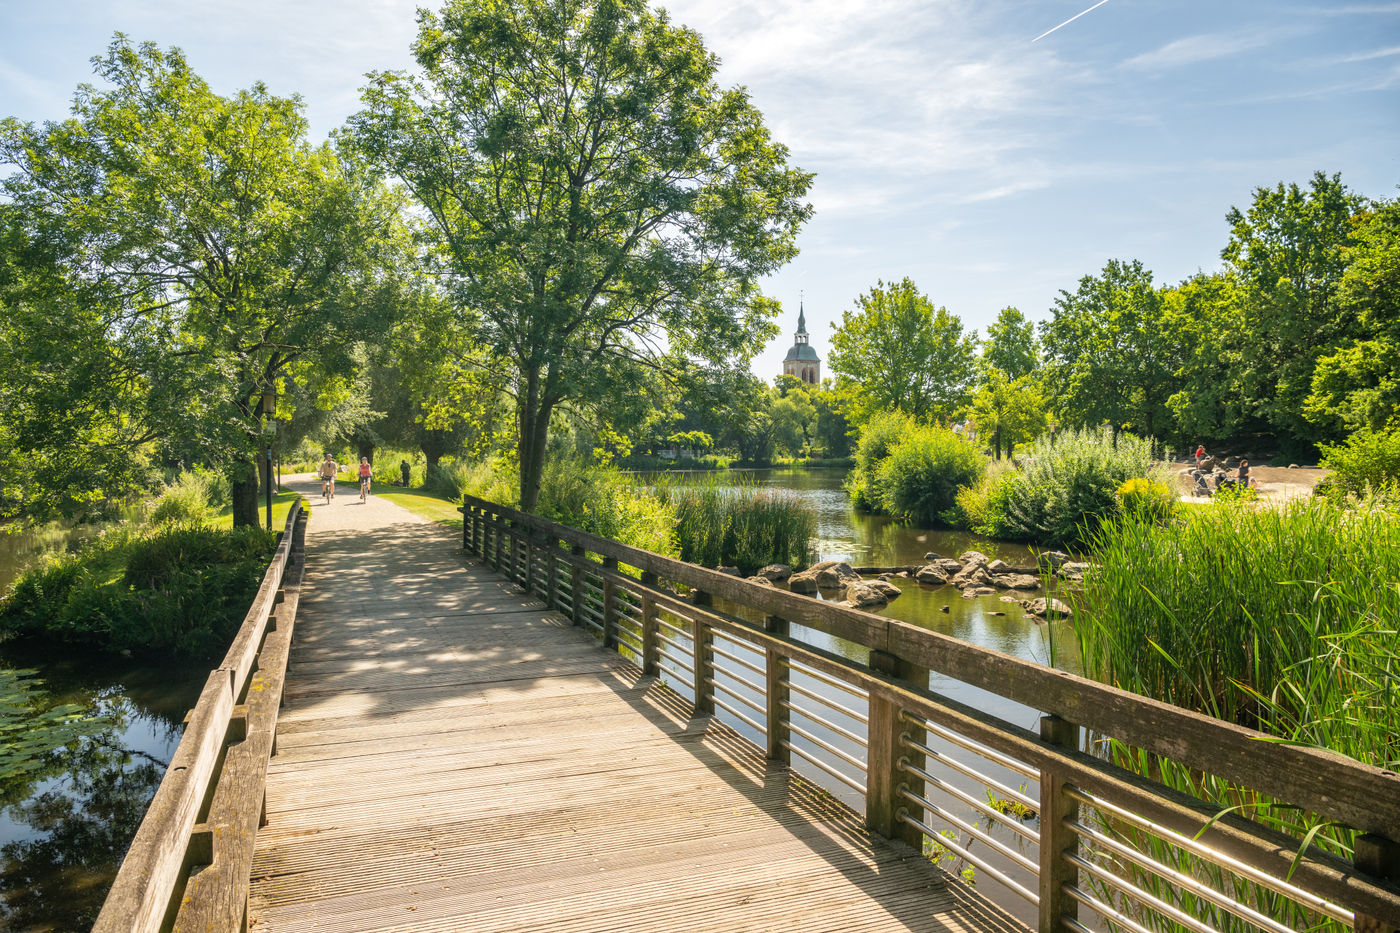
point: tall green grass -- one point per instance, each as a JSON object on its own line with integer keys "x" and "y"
{"x": 1284, "y": 620}
{"x": 744, "y": 525}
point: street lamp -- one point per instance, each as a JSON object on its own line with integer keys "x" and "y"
{"x": 269, "y": 408}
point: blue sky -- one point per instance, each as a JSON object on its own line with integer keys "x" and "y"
{"x": 948, "y": 146}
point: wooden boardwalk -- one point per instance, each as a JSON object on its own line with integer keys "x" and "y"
{"x": 453, "y": 756}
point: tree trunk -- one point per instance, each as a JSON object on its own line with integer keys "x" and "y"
{"x": 433, "y": 458}
{"x": 244, "y": 479}
{"x": 998, "y": 440}
{"x": 534, "y": 435}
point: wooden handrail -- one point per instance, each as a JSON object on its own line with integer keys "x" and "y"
{"x": 1333, "y": 786}
{"x": 217, "y": 769}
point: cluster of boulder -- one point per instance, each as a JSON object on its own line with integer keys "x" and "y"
{"x": 973, "y": 573}
{"x": 1210, "y": 475}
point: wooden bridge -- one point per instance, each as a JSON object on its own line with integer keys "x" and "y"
{"x": 533, "y": 728}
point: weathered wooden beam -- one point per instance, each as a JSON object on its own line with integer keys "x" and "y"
{"x": 1056, "y": 838}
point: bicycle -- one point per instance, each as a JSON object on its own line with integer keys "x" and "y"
{"x": 327, "y": 489}
{"x": 364, "y": 487}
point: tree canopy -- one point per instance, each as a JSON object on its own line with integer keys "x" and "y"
{"x": 593, "y": 197}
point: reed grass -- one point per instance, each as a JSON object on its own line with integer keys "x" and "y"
{"x": 1282, "y": 620}
{"x": 721, "y": 523}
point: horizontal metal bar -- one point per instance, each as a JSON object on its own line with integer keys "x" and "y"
{"x": 971, "y": 772}
{"x": 1277, "y": 885}
{"x": 1139, "y": 895}
{"x": 680, "y": 648}
{"x": 827, "y": 679}
{"x": 967, "y": 856}
{"x": 825, "y": 723}
{"x": 739, "y": 661}
{"x": 1010, "y": 822}
{"x": 1172, "y": 876}
{"x": 675, "y": 628}
{"x": 730, "y": 691}
{"x": 827, "y": 702}
{"x": 807, "y": 756}
{"x": 756, "y": 688}
{"x": 823, "y": 744}
{"x": 731, "y": 710}
{"x": 676, "y": 661}
{"x": 994, "y": 844}
{"x": 626, "y": 637}
{"x": 1107, "y": 911}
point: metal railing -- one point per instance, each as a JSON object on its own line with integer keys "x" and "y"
{"x": 878, "y": 731}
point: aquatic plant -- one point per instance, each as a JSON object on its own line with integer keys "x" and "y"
{"x": 740, "y": 524}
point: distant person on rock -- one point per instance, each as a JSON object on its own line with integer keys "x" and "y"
{"x": 1245, "y": 481}
{"x": 1200, "y": 452}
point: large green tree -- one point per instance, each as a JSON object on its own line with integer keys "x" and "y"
{"x": 1288, "y": 253}
{"x": 1008, "y": 412}
{"x": 203, "y": 247}
{"x": 900, "y": 352}
{"x": 594, "y": 198}
{"x": 1010, "y": 345}
{"x": 1107, "y": 355}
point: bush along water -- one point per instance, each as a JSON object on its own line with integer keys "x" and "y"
{"x": 171, "y": 589}
{"x": 879, "y": 436}
{"x": 912, "y": 470}
{"x": 1066, "y": 487}
{"x": 744, "y": 525}
{"x": 1367, "y": 460}
{"x": 1282, "y": 620}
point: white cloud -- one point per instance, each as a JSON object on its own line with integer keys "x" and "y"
{"x": 1195, "y": 49}
{"x": 1367, "y": 56}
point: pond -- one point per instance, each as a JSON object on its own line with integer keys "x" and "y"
{"x": 65, "y": 825}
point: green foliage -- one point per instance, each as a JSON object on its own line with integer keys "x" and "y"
{"x": 1366, "y": 460}
{"x": 983, "y": 506}
{"x": 1011, "y": 346}
{"x": 1147, "y": 499}
{"x": 877, "y": 438}
{"x": 174, "y": 589}
{"x": 561, "y": 273}
{"x": 1283, "y": 620}
{"x": 1066, "y": 486}
{"x": 1008, "y": 412}
{"x": 920, "y": 478}
{"x": 747, "y": 526}
{"x": 605, "y": 502}
{"x": 188, "y": 500}
{"x": 32, "y": 728}
{"x": 903, "y": 353}
{"x": 493, "y": 479}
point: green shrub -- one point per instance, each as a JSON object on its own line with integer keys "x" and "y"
{"x": 1366, "y": 460}
{"x": 180, "y": 589}
{"x": 742, "y": 525}
{"x": 982, "y": 506}
{"x": 1068, "y": 485}
{"x": 494, "y": 479}
{"x": 603, "y": 501}
{"x": 1146, "y": 499}
{"x": 879, "y": 435}
{"x": 188, "y": 500}
{"x": 920, "y": 477}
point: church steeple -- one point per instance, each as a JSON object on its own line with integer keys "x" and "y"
{"x": 802, "y": 360}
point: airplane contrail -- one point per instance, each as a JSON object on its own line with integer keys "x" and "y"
{"x": 1070, "y": 20}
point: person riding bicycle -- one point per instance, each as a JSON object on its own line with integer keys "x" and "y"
{"x": 327, "y": 471}
{"x": 365, "y": 473}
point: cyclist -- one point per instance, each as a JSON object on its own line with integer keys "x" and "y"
{"x": 365, "y": 473}
{"x": 327, "y": 471}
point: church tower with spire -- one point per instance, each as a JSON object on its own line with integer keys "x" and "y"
{"x": 802, "y": 360}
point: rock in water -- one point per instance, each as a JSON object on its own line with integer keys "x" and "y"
{"x": 1046, "y": 608}
{"x": 761, "y": 581}
{"x": 972, "y": 557}
{"x": 775, "y": 572}
{"x": 998, "y": 566}
{"x": 1051, "y": 560}
{"x": 864, "y": 596}
{"x": 932, "y": 556}
{"x": 932, "y": 575}
{"x": 1016, "y": 581}
{"x": 883, "y": 587}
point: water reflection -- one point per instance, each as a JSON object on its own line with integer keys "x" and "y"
{"x": 64, "y": 829}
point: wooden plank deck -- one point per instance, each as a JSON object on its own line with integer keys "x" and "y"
{"x": 453, "y": 756}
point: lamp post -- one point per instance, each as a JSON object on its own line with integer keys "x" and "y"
{"x": 269, "y": 408}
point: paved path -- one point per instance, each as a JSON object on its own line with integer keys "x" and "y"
{"x": 453, "y": 756}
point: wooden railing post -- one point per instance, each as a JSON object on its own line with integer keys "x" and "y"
{"x": 467, "y": 526}
{"x": 551, "y": 588}
{"x": 499, "y": 543}
{"x": 576, "y": 575}
{"x": 651, "y": 648}
{"x": 1379, "y": 857}
{"x": 777, "y": 695}
{"x": 1057, "y": 839}
{"x": 609, "y": 599}
{"x": 885, "y": 746}
{"x": 527, "y": 543}
{"x": 700, "y": 638}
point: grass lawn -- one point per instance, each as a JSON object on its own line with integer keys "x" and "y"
{"x": 424, "y": 504}
{"x": 281, "y": 505}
